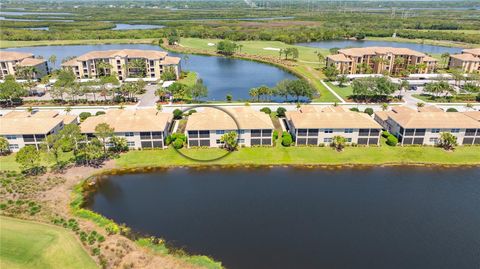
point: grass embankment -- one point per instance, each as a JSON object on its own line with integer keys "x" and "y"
{"x": 306, "y": 156}
{"x": 8, "y": 163}
{"x": 26, "y": 244}
{"x": 306, "y": 66}
{"x": 17, "y": 44}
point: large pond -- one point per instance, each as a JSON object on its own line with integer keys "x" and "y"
{"x": 221, "y": 75}
{"x": 432, "y": 49}
{"x": 306, "y": 218}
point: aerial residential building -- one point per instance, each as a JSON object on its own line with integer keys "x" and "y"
{"x": 424, "y": 128}
{"x": 24, "y": 128}
{"x": 316, "y": 126}
{"x": 205, "y": 128}
{"x": 127, "y": 63}
{"x": 473, "y": 114}
{"x": 379, "y": 60}
{"x": 11, "y": 62}
{"x": 468, "y": 61}
{"x": 142, "y": 128}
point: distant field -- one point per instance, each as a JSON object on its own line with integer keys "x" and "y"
{"x": 10, "y": 44}
{"x": 25, "y": 244}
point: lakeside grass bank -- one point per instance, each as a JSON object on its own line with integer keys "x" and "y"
{"x": 28, "y": 244}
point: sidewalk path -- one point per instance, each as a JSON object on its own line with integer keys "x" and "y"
{"x": 148, "y": 99}
{"x": 332, "y": 91}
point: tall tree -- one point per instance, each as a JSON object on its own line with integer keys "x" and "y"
{"x": 103, "y": 132}
{"x": 52, "y": 60}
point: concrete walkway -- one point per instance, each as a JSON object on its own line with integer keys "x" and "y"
{"x": 332, "y": 91}
{"x": 148, "y": 99}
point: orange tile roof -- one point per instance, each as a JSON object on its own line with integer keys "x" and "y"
{"x": 122, "y": 120}
{"x": 214, "y": 119}
{"x": 475, "y": 51}
{"x": 360, "y": 52}
{"x": 338, "y": 58}
{"x": 434, "y": 120}
{"x": 130, "y": 53}
{"x": 13, "y": 56}
{"x": 465, "y": 57}
{"x": 31, "y": 62}
{"x": 331, "y": 120}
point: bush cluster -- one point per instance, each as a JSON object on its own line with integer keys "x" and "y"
{"x": 287, "y": 139}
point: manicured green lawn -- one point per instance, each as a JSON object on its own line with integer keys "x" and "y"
{"x": 305, "y": 155}
{"x": 25, "y": 244}
{"x": 344, "y": 91}
{"x": 189, "y": 80}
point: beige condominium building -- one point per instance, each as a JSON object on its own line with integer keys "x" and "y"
{"x": 468, "y": 61}
{"x": 22, "y": 128}
{"x": 379, "y": 60}
{"x": 424, "y": 127}
{"x": 11, "y": 62}
{"x": 316, "y": 126}
{"x": 142, "y": 128}
{"x": 205, "y": 128}
{"x": 127, "y": 63}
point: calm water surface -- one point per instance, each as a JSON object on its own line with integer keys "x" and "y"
{"x": 328, "y": 44}
{"x": 221, "y": 75}
{"x": 122, "y": 26}
{"x": 299, "y": 218}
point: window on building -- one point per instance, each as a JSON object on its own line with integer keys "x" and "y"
{"x": 146, "y": 144}
{"x": 193, "y": 134}
{"x": 157, "y": 144}
{"x": 145, "y": 135}
{"x": 409, "y": 132}
{"x": 256, "y": 133}
{"x": 254, "y": 142}
{"x": 131, "y": 143}
{"x": 348, "y": 131}
{"x": 193, "y": 143}
{"x": 241, "y": 141}
{"x": 302, "y": 132}
{"x": 312, "y": 132}
{"x": 266, "y": 132}
{"x": 470, "y": 132}
{"x": 455, "y": 131}
{"x": 328, "y": 131}
{"x": 28, "y": 138}
{"x": 420, "y": 132}
{"x": 156, "y": 135}
{"x": 349, "y": 140}
{"x": 128, "y": 134}
{"x": 219, "y": 142}
{"x": 11, "y": 137}
{"x": 327, "y": 140}
{"x": 433, "y": 140}
{"x": 205, "y": 143}
{"x": 13, "y": 146}
{"x": 363, "y": 132}
{"x": 204, "y": 134}
{"x": 362, "y": 141}
{"x": 312, "y": 141}
{"x": 220, "y": 132}
{"x": 468, "y": 140}
{"x": 435, "y": 131}
{"x": 266, "y": 141}
{"x": 374, "y": 132}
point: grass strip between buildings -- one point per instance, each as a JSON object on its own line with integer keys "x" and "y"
{"x": 26, "y": 244}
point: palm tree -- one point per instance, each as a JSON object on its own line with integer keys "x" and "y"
{"x": 102, "y": 66}
{"x": 53, "y": 60}
{"x": 398, "y": 62}
{"x": 159, "y": 108}
{"x": 320, "y": 57}
{"x": 447, "y": 141}
{"x": 445, "y": 56}
{"x": 68, "y": 109}
{"x": 404, "y": 84}
{"x": 254, "y": 94}
{"x": 469, "y": 106}
{"x": 338, "y": 142}
{"x": 420, "y": 104}
{"x": 384, "y": 106}
{"x": 30, "y": 110}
